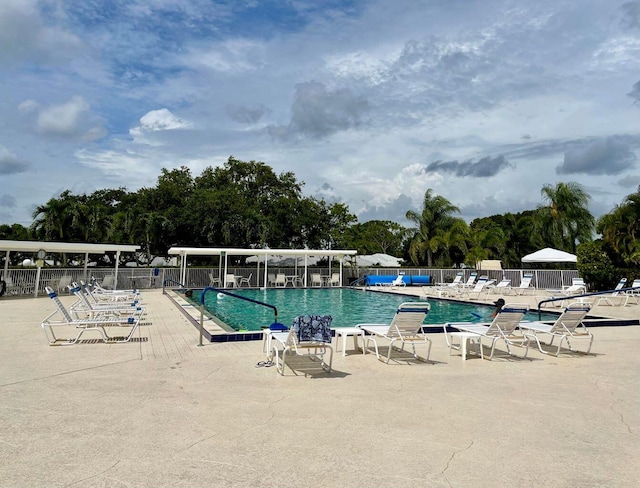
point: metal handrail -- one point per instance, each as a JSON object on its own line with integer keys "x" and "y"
{"x": 166, "y": 281}
{"x": 595, "y": 293}
{"x": 225, "y": 292}
{"x": 360, "y": 281}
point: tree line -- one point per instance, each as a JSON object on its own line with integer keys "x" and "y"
{"x": 246, "y": 204}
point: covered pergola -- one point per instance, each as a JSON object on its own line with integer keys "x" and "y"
{"x": 42, "y": 248}
{"x": 224, "y": 253}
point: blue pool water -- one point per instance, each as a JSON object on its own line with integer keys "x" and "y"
{"x": 348, "y": 307}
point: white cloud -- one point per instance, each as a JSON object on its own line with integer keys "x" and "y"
{"x": 25, "y": 37}
{"x": 153, "y": 123}
{"x": 28, "y": 107}
{"x": 123, "y": 166}
{"x": 10, "y": 163}
{"x": 71, "y": 120}
{"x": 232, "y": 56}
{"x": 390, "y": 86}
{"x": 7, "y": 201}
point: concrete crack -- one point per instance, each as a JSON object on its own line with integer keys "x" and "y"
{"x": 199, "y": 441}
{"x": 451, "y": 459}
{"x": 68, "y": 372}
{"x": 95, "y": 475}
{"x": 621, "y": 417}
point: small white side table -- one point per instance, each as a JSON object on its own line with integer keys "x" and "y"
{"x": 345, "y": 332}
{"x": 464, "y": 338}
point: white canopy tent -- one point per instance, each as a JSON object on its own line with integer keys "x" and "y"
{"x": 550, "y": 255}
{"x": 41, "y": 248}
{"x": 379, "y": 259}
{"x": 224, "y": 253}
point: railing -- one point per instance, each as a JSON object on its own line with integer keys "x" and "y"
{"x": 167, "y": 281}
{"x": 621, "y": 291}
{"x": 22, "y": 281}
{"x": 359, "y": 282}
{"x": 225, "y": 292}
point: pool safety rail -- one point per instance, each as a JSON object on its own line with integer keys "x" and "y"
{"x": 359, "y": 282}
{"x": 592, "y": 294}
{"x": 225, "y": 292}
{"x": 170, "y": 282}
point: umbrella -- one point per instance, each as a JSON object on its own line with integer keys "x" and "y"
{"x": 549, "y": 255}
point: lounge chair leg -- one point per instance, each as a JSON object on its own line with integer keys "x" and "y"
{"x": 375, "y": 345}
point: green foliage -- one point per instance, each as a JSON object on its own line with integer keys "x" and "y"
{"x": 246, "y": 204}
{"x": 14, "y": 232}
{"x": 566, "y": 220}
{"x": 239, "y": 204}
{"x": 517, "y": 238}
{"x": 434, "y": 219}
{"x": 375, "y": 236}
{"x": 595, "y": 266}
{"x": 620, "y": 230}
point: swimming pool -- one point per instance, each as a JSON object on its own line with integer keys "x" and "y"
{"x": 347, "y": 307}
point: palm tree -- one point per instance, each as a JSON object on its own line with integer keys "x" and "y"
{"x": 566, "y": 218}
{"x": 453, "y": 242}
{"x": 483, "y": 242}
{"x": 435, "y": 215}
{"x": 621, "y": 228}
{"x": 50, "y": 219}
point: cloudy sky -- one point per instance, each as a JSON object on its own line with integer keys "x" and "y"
{"x": 369, "y": 102}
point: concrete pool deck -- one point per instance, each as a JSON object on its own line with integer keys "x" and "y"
{"x": 161, "y": 411}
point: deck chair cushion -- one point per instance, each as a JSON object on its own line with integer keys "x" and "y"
{"x": 313, "y": 328}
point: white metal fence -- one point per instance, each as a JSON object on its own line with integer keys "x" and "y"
{"x": 22, "y": 282}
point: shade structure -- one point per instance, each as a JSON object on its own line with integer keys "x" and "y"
{"x": 550, "y": 255}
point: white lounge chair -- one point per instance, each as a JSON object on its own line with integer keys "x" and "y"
{"x": 83, "y": 325}
{"x": 405, "y": 328}
{"x": 309, "y": 334}
{"x": 633, "y": 294}
{"x": 470, "y": 281}
{"x": 98, "y": 295}
{"x": 477, "y": 288}
{"x": 577, "y": 286}
{"x": 525, "y": 284}
{"x": 398, "y": 281}
{"x": 503, "y": 287}
{"x": 85, "y": 309}
{"x": 110, "y": 282}
{"x": 445, "y": 289}
{"x": 606, "y": 299}
{"x": 503, "y": 327}
{"x": 567, "y": 327}
{"x": 457, "y": 280}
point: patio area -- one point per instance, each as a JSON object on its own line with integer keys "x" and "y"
{"x": 162, "y": 411}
